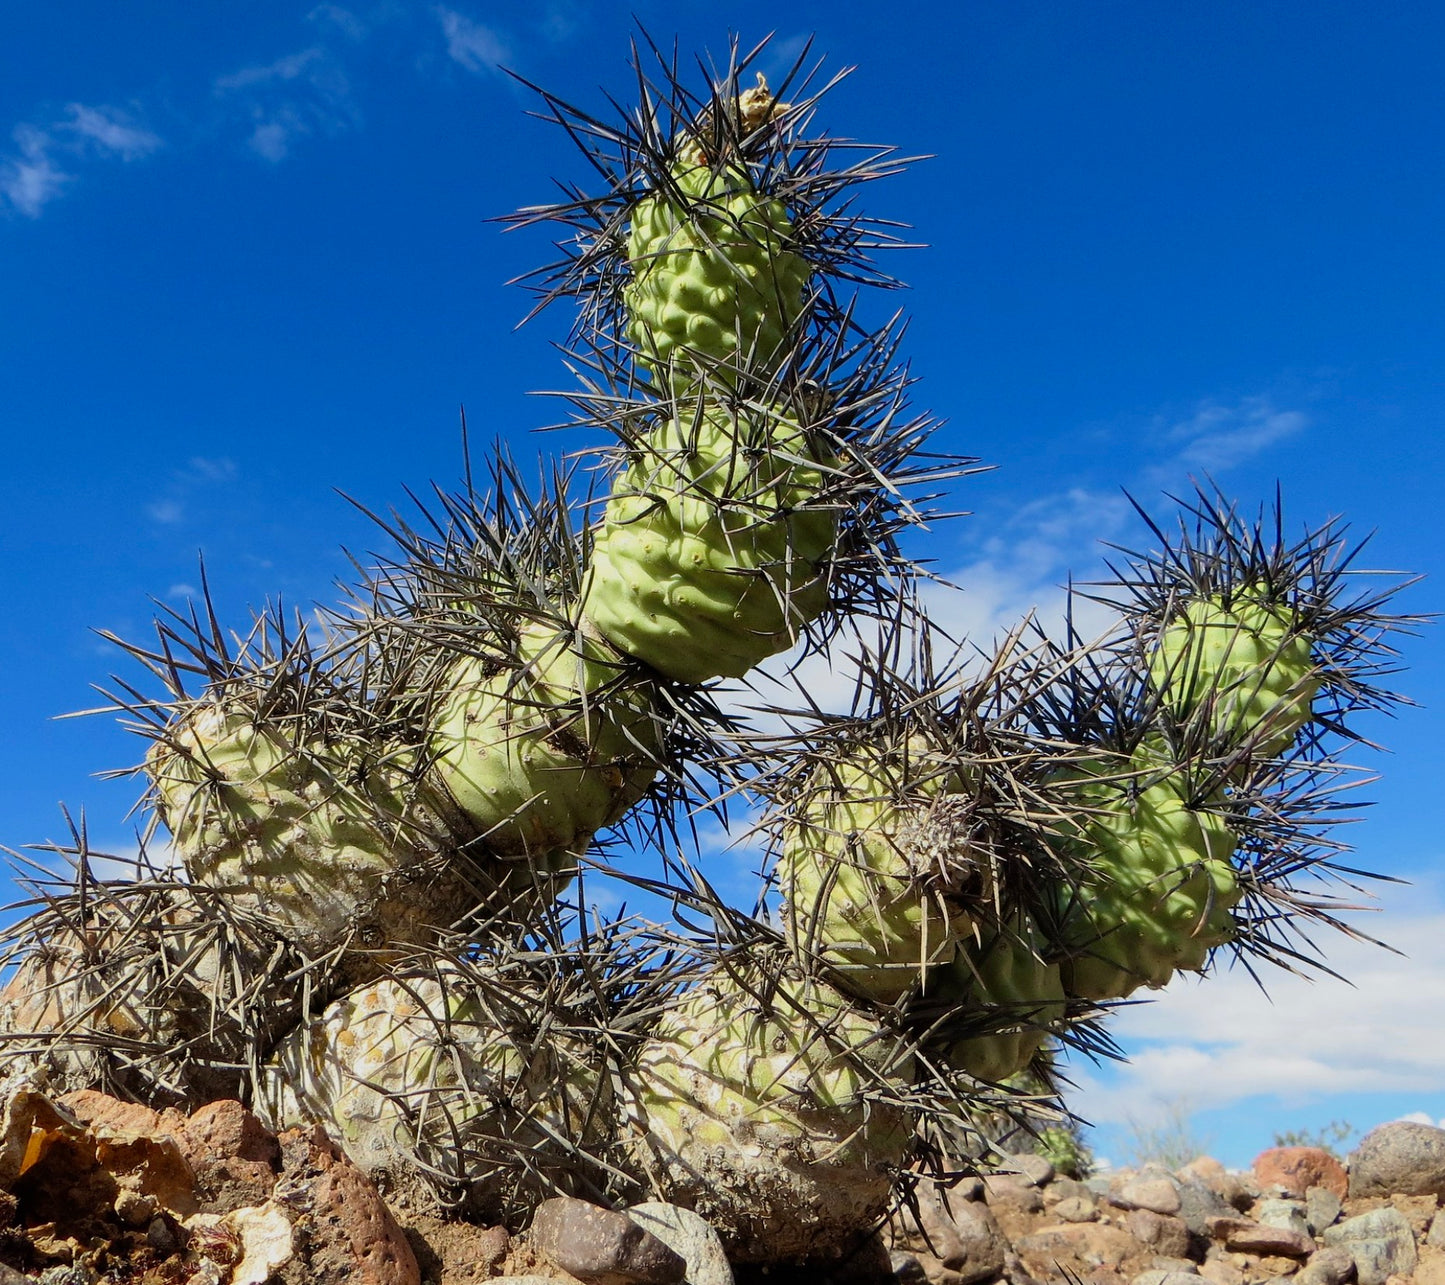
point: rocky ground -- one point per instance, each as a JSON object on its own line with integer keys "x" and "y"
{"x": 94, "y": 1191}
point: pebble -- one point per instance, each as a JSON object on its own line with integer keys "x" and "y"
{"x": 1077, "y": 1209}
{"x": 602, "y": 1246}
{"x": 691, "y": 1236}
{"x": 1258, "y": 1238}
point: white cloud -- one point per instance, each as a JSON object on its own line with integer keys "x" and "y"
{"x": 289, "y": 68}
{"x": 474, "y": 46}
{"x": 352, "y": 27}
{"x": 1217, "y": 437}
{"x": 110, "y": 131}
{"x": 289, "y": 99}
{"x": 1220, "y": 1039}
{"x": 35, "y": 175}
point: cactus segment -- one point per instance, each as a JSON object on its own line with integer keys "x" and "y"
{"x": 757, "y": 1113}
{"x": 862, "y": 883}
{"x": 1158, "y": 889}
{"x": 1244, "y": 663}
{"x": 541, "y": 756}
{"x": 323, "y": 843}
{"x": 711, "y": 553}
{"x": 1003, "y": 979}
{"x": 712, "y": 274}
{"x": 414, "y": 1074}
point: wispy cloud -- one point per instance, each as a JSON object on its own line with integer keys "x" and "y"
{"x": 344, "y": 20}
{"x": 303, "y": 93}
{"x": 1217, "y": 437}
{"x": 200, "y": 471}
{"x": 42, "y": 166}
{"x": 471, "y": 44}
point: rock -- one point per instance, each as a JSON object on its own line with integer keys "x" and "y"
{"x": 351, "y": 1237}
{"x": 1401, "y": 1158}
{"x": 1096, "y": 1243}
{"x": 1063, "y": 1188}
{"x": 1157, "y": 1192}
{"x": 1205, "y": 1169}
{"x": 1198, "y": 1202}
{"x": 1289, "y": 1214}
{"x": 1436, "y": 1235}
{"x": 602, "y": 1246}
{"x": 1294, "y": 1170}
{"x": 907, "y": 1270}
{"x": 1033, "y": 1169}
{"x": 1160, "y": 1232}
{"x": 1258, "y": 1238}
{"x": 1380, "y": 1242}
{"x": 1163, "y": 1276}
{"x": 1013, "y": 1191}
{"x": 1076, "y": 1209}
{"x": 1220, "y": 1271}
{"x": 1322, "y": 1207}
{"x": 964, "y": 1234}
{"x": 234, "y": 1156}
{"x": 1015, "y": 1272}
{"x": 1333, "y": 1265}
{"x": 689, "y": 1235}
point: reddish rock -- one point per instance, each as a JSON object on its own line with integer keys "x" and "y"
{"x": 350, "y": 1236}
{"x": 1095, "y": 1243}
{"x": 602, "y": 1246}
{"x": 1294, "y": 1170}
{"x": 235, "y": 1157}
{"x": 1258, "y": 1238}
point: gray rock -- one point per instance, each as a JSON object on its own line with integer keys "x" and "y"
{"x": 1436, "y": 1235}
{"x": 1014, "y": 1191}
{"x": 690, "y": 1235}
{"x": 1322, "y": 1207}
{"x": 602, "y": 1246}
{"x": 1099, "y": 1185}
{"x": 1077, "y": 1209}
{"x": 1015, "y": 1272}
{"x": 1198, "y": 1202}
{"x": 1333, "y": 1265}
{"x": 1064, "y": 1189}
{"x": 1380, "y": 1242}
{"x": 1289, "y": 1214}
{"x": 1162, "y": 1233}
{"x": 1163, "y": 1276}
{"x": 1035, "y": 1170}
{"x": 1158, "y": 1192}
{"x": 1402, "y": 1158}
{"x": 978, "y": 1246}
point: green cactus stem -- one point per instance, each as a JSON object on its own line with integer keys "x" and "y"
{"x": 541, "y": 755}
{"x": 329, "y": 844}
{"x": 761, "y": 1109}
{"x": 1157, "y": 884}
{"x": 872, "y": 876}
{"x": 712, "y": 275}
{"x": 1003, "y": 984}
{"x": 1244, "y": 663}
{"x": 712, "y": 551}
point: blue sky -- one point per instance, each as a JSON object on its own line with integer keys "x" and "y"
{"x": 246, "y": 264}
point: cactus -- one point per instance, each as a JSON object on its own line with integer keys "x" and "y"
{"x": 1243, "y": 664}
{"x": 541, "y": 756}
{"x": 872, "y": 876}
{"x": 432, "y": 1068}
{"x": 1003, "y": 985}
{"x": 382, "y": 924}
{"x": 772, "y": 1109}
{"x": 713, "y": 545}
{"x": 712, "y": 275}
